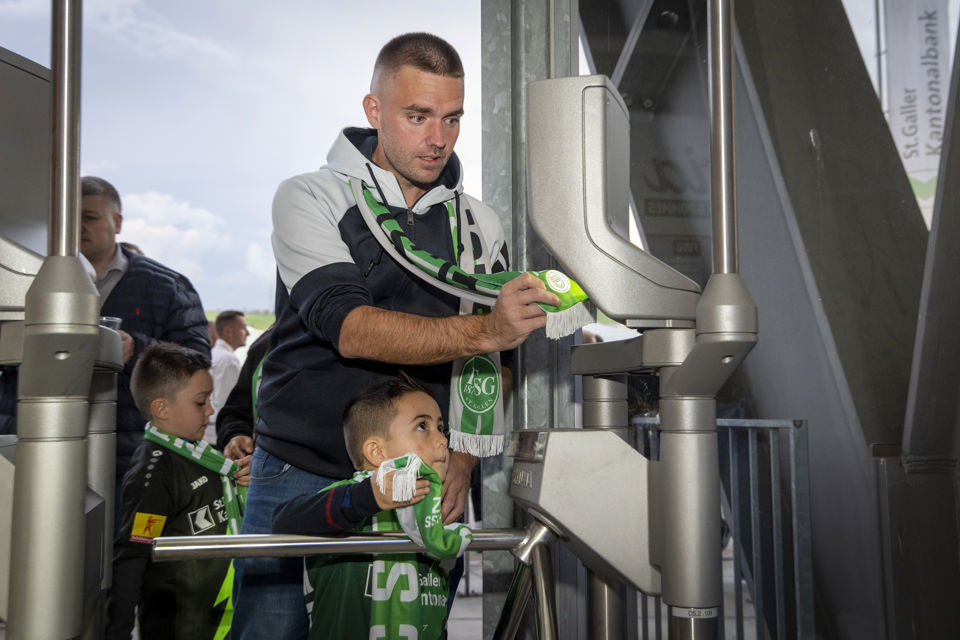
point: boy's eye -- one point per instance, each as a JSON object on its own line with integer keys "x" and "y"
{"x": 417, "y": 118}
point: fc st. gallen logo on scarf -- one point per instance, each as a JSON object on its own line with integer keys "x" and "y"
{"x": 479, "y": 384}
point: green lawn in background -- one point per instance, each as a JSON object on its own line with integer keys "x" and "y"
{"x": 256, "y": 320}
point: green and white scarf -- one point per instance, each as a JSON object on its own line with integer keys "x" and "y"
{"x": 422, "y": 522}
{"x": 476, "y": 388}
{"x": 209, "y": 458}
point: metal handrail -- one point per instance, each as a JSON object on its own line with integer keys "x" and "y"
{"x": 278, "y": 545}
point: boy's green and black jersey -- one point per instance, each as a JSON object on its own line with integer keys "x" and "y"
{"x": 167, "y": 494}
{"x": 398, "y": 595}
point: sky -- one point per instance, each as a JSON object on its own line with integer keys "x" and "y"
{"x": 196, "y": 111}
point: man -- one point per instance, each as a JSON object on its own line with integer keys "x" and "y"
{"x": 232, "y": 330}
{"x": 154, "y": 302}
{"x": 349, "y": 316}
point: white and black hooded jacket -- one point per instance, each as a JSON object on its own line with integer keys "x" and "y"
{"x": 328, "y": 264}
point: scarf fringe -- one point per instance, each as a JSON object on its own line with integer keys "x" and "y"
{"x": 475, "y": 444}
{"x": 563, "y": 323}
{"x": 404, "y": 478}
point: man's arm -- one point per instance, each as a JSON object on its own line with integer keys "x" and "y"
{"x": 372, "y": 333}
{"x": 235, "y": 419}
{"x": 185, "y": 324}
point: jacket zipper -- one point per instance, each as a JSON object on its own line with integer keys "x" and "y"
{"x": 373, "y": 263}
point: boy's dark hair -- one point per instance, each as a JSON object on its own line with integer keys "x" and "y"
{"x": 227, "y": 317}
{"x": 369, "y": 414}
{"x": 162, "y": 370}
{"x": 94, "y": 186}
{"x": 423, "y": 51}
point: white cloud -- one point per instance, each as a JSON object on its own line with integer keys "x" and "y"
{"x": 175, "y": 233}
{"x": 228, "y": 262}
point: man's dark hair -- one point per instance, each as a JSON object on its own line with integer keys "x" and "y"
{"x": 94, "y": 186}
{"x": 227, "y": 317}
{"x": 423, "y": 51}
{"x": 162, "y": 370}
{"x": 370, "y": 413}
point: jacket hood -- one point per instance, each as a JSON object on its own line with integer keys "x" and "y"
{"x": 350, "y": 158}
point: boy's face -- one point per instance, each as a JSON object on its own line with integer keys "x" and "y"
{"x": 418, "y": 428}
{"x": 188, "y": 411}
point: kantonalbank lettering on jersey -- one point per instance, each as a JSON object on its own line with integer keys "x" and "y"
{"x": 404, "y": 596}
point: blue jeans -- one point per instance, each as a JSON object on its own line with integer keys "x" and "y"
{"x": 268, "y": 597}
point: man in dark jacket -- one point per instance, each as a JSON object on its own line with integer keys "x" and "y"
{"x": 154, "y": 303}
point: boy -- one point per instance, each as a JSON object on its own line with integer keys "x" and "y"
{"x": 393, "y": 425}
{"x": 177, "y": 485}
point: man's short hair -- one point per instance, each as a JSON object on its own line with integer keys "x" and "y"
{"x": 423, "y": 51}
{"x": 94, "y": 186}
{"x": 370, "y": 413}
{"x": 162, "y": 370}
{"x": 225, "y": 318}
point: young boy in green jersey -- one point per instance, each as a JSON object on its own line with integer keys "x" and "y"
{"x": 177, "y": 485}
{"x": 394, "y": 434}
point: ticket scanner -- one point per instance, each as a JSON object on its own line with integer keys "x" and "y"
{"x": 653, "y": 524}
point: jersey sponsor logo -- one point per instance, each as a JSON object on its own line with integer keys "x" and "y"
{"x": 401, "y": 576}
{"x": 201, "y": 520}
{"x": 146, "y": 527}
{"x": 199, "y": 482}
{"x": 404, "y": 632}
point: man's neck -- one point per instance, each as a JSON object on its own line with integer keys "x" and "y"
{"x": 101, "y": 262}
{"x": 411, "y": 192}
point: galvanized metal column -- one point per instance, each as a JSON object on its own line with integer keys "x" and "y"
{"x": 522, "y": 41}
{"x": 59, "y": 347}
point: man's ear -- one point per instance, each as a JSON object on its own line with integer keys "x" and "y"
{"x": 373, "y": 451}
{"x": 371, "y": 107}
{"x": 160, "y": 408}
{"x": 117, "y": 222}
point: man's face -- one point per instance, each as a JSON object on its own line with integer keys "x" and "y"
{"x": 100, "y": 222}
{"x": 235, "y": 334}
{"x": 189, "y": 410}
{"x": 417, "y": 115}
{"x": 418, "y": 428}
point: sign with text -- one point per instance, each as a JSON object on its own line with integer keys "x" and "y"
{"x": 918, "y": 80}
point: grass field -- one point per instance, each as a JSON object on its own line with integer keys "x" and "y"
{"x": 256, "y": 320}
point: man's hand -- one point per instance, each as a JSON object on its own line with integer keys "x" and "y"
{"x": 238, "y": 447}
{"x": 243, "y": 476}
{"x": 456, "y": 485}
{"x": 516, "y": 315}
{"x": 126, "y": 345}
{"x": 385, "y": 498}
